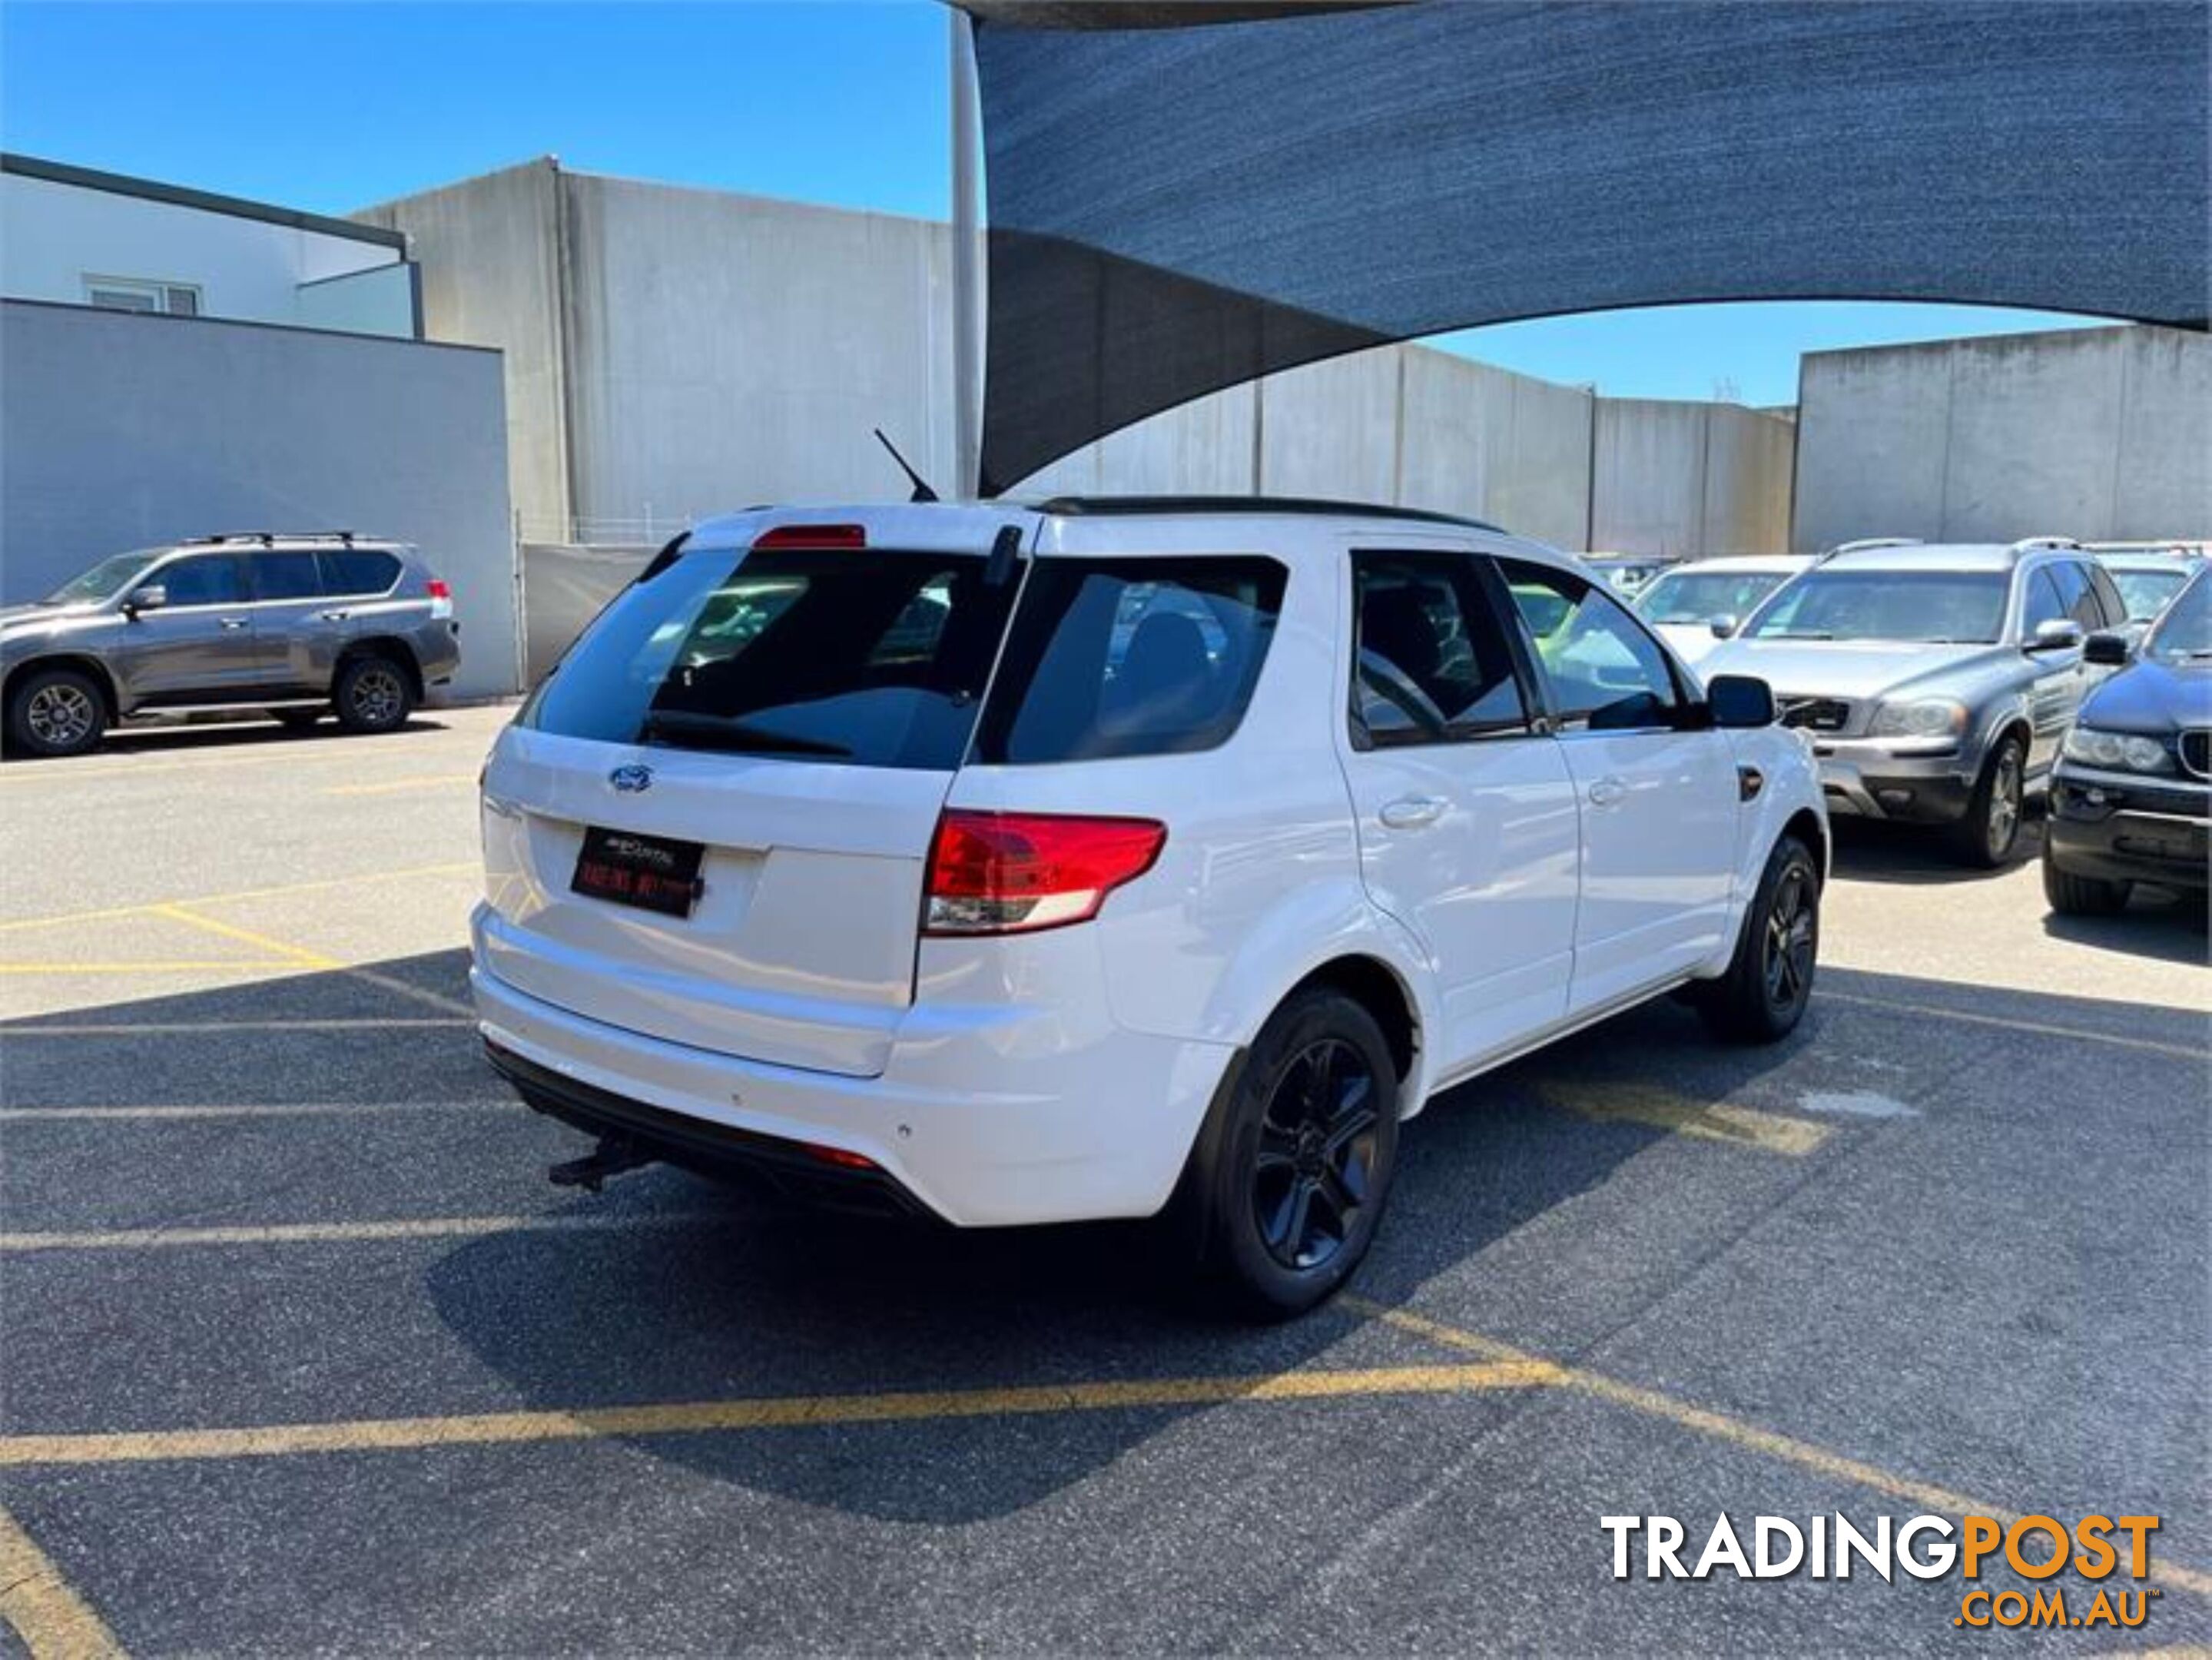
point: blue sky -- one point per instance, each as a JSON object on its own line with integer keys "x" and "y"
{"x": 333, "y": 107}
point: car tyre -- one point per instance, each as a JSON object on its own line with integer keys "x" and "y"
{"x": 2080, "y": 895}
{"x": 1289, "y": 1180}
{"x": 55, "y": 712}
{"x": 1769, "y": 982}
{"x": 1987, "y": 837}
{"x": 372, "y": 694}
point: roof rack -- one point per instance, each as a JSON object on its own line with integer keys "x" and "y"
{"x": 2029, "y": 544}
{"x": 1867, "y": 544}
{"x": 1080, "y": 507}
{"x": 268, "y": 537}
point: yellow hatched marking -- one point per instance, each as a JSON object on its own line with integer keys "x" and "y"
{"x": 1704, "y": 1121}
{"x": 40, "y": 1606}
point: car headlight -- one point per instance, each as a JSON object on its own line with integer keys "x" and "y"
{"x": 2129, "y": 751}
{"x": 1926, "y": 717}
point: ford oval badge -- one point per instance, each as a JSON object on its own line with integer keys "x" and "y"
{"x": 631, "y": 779}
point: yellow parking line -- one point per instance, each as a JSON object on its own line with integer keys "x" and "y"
{"x": 329, "y": 884}
{"x": 392, "y": 786}
{"x": 1724, "y": 1427}
{"x": 313, "y": 959}
{"x": 786, "y": 1411}
{"x": 215, "y": 1028}
{"x": 301, "y": 955}
{"x": 38, "y": 1605}
{"x": 305, "y": 1233}
{"x": 1705, "y": 1120}
{"x": 243, "y": 1110}
{"x": 2041, "y": 1028}
{"x": 170, "y": 966}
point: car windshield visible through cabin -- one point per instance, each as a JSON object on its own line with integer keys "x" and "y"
{"x": 1690, "y": 596}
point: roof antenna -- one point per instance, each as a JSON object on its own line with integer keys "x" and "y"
{"x": 922, "y": 490}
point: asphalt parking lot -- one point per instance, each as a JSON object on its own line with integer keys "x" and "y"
{"x": 302, "y": 1353}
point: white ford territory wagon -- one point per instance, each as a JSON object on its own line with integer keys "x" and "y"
{"x": 1099, "y": 859}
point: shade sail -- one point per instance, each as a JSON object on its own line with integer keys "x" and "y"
{"x": 1173, "y": 211}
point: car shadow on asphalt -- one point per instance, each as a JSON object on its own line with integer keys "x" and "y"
{"x": 1874, "y": 850}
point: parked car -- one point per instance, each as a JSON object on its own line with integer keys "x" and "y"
{"x": 1935, "y": 681}
{"x": 2149, "y": 577}
{"x": 1196, "y": 845}
{"x": 1697, "y": 603}
{"x": 2130, "y": 799}
{"x": 296, "y": 626}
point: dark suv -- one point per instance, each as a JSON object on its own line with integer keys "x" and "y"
{"x": 295, "y": 626}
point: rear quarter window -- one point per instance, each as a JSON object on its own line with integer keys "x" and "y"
{"x": 1126, "y": 657}
{"x": 358, "y": 570}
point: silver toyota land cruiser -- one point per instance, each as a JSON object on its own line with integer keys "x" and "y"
{"x": 1936, "y": 682}
{"x": 296, "y": 626}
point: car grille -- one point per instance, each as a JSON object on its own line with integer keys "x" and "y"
{"x": 1815, "y": 713}
{"x": 2196, "y": 751}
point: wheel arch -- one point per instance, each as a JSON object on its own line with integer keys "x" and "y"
{"x": 91, "y": 667}
{"x": 393, "y": 649}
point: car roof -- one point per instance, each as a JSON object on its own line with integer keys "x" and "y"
{"x": 1752, "y": 562}
{"x": 1935, "y": 556}
{"x": 249, "y": 541}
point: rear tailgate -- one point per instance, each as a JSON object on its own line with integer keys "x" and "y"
{"x": 799, "y": 948}
{"x": 711, "y": 824}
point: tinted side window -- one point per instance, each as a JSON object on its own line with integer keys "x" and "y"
{"x": 2076, "y": 595}
{"x": 1432, "y": 664}
{"x": 1599, "y": 665}
{"x": 358, "y": 570}
{"x": 212, "y": 579}
{"x": 1113, "y": 657}
{"x": 2108, "y": 596}
{"x": 2045, "y": 604}
{"x": 286, "y": 576}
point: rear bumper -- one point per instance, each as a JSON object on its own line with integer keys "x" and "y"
{"x": 2121, "y": 830}
{"x": 960, "y": 1129}
{"x": 1868, "y": 780}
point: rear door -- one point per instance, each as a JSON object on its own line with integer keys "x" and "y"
{"x": 1659, "y": 796}
{"x": 710, "y": 825}
{"x": 298, "y": 631}
{"x": 1466, "y": 812}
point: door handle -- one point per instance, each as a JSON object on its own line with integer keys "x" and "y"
{"x": 1413, "y": 811}
{"x": 230, "y": 621}
{"x": 1607, "y": 791}
{"x": 334, "y": 615}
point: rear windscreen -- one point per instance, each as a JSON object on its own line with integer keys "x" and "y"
{"x": 1115, "y": 657}
{"x": 867, "y": 658}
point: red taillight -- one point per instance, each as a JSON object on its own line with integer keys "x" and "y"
{"x": 811, "y": 536}
{"x": 440, "y": 588}
{"x": 840, "y": 1157}
{"x": 1007, "y": 872}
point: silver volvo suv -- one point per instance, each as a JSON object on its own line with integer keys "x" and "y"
{"x": 1936, "y": 681}
{"x": 296, "y": 626}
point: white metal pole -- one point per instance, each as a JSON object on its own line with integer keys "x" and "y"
{"x": 968, "y": 276}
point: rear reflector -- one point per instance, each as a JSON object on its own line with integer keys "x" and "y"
{"x": 812, "y": 536}
{"x": 838, "y": 1156}
{"x": 1011, "y": 872}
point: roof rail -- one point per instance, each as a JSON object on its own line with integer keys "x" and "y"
{"x": 1073, "y": 507}
{"x": 267, "y": 537}
{"x": 2027, "y": 544}
{"x": 1867, "y": 544}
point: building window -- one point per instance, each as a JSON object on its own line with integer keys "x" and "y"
{"x": 132, "y": 294}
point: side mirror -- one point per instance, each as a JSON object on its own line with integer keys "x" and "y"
{"x": 1724, "y": 626}
{"x": 152, "y": 597}
{"x": 2058, "y": 634}
{"x": 2105, "y": 647}
{"x": 1740, "y": 700}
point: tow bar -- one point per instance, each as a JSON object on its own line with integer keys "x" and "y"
{"x": 613, "y": 1156}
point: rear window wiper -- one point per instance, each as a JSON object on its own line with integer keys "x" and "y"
{"x": 717, "y": 731}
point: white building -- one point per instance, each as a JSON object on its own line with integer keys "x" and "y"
{"x": 71, "y": 236}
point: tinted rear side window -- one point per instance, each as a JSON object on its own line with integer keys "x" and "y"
{"x": 1117, "y": 656}
{"x": 869, "y": 658}
{"x": 286, "y": 576}
{"x": 358, "y": 570}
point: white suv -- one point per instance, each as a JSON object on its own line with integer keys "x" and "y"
{"x": 1028, "y": 863}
